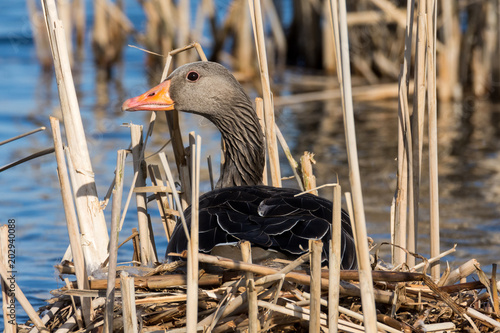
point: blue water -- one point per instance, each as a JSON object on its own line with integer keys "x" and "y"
{"x": 30, "y": 193}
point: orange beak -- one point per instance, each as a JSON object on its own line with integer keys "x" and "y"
{"x": 155, "y": 99}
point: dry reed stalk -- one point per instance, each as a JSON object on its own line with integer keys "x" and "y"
{"x": 148, "y": 252}
{"x": 358, "y": 219}
{"x": 345, "y": 289}
{"x": 279, "y": 39}
{"x": 494, "y": 289}
{"x": 405, "y": 200}
{"x": 253, "y": 310}
{"x": 42, "y": 47}
{"x": 391, "y": 11}
{"x": 128, "y": 301}
{"x": 272, "y": 145}
{"x": 42, "y": 128}
{"x": 434, "y": 259}
{"x": 463, "y": 271}
{"x": 183, "y": 25}
{"x": 243, "y": 50}
{"x": 129, "y": 198}
{"x": 210, "y": 172}
{"x": 27, "y": 158}
{"x": 113, "y": 242}
{"x": 193, "y": 244}
{"x": 357, "y": 316}
{"x": 64, "y": 10}
{"x": 329, "y": 61}
{"x": 21, "y": 298}
{"x": 76, "y": 310}
{"x": 170, "y": 178}
{"x": 433, "y": 136}
{"x": 259, "y": 109}
{"x": 362, "y": 93}
{"x": 7, "y": 298}
{"x": 401, "y": 224}
{"x": 293, "y": 164}
{"x": 306, "y": 162}
{"x": 418, "y": 115}
{"x": 335, "y": 261}
{"x": 71, "y": 218}
{"x": 448, "y": 61}
{"x": 315, "y": 248}
{"x": 79, "y": 22}
{"x": 92, "y": 222}
{"x": 162, "y": 200}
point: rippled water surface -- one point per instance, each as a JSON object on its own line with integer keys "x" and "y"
{"x": 468, "y": 146}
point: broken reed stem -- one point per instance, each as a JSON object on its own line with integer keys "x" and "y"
{"x": 148, "y": 255}
{"x": 171, "y": 183}
{"x": 433, "y": 137}
{"x": 315, "y": 248}
{"x": 128, "y": 301}
{"x": 8, "y": 302}
{"x": 113, "y": 242}
{"x": 96, "y": 235}
{"x": 272, "y": 145}
{"x": 434, "y": 259}
{"x": 253, "y": 310}
{"x": 366, "y": 283}
{"x": 71, "y": 218}
{"x": 129, "y": 198}
{"x": 259, "y": 109}
{"x": 335, "y": 261}
{"x": 293, "y": 164}
{"x": 192, "y": 264}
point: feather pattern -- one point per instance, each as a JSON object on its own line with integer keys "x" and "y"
{"x": 268, "y": 217}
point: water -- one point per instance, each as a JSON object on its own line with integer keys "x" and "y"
{"x": 469, "y": 138}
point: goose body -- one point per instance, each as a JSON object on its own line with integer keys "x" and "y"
{"x": 241, "y": 208}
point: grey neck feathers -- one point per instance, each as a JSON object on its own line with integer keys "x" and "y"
{"x": 243, "y": 139}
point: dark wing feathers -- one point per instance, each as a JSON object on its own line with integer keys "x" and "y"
{"x": 268, "y": 217}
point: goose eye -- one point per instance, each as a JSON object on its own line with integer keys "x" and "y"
{"x": 193, "y": 76}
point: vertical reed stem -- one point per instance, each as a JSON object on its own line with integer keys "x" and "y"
{"x": 93, "y": 224}
{"x": 192, "y": 269}
{"x": 315, "y": 248}
{"x": 71, "y": 219}
{"x": 365, "y": 276}
{"x": 272, "y": 145}
{"x": 171, "y": 183}
{"x": 433, "y": 138}
{"x": 113, "y": 242}
{"x": 259, "y": 109}
{"x": 148, "y": 256}
{"x": 253, "y": 310}
{"x": 418, "y": 116}
{"x": 128, "y": 300}
{"x": 335, "y": 261}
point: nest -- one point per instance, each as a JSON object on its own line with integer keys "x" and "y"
{"x": 277, "y": 296}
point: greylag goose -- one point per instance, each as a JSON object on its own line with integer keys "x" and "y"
{"x": 241, "y": 208}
